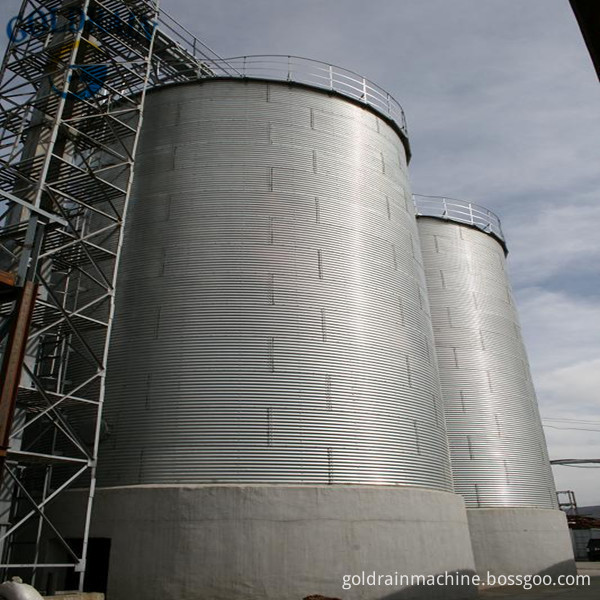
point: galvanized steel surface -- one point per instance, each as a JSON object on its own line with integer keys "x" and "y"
{"x": 272, "y": 322}
{"x": 461, "y": 212}
{"x": 498, "y": 449}
{"x": 314, "y": 73}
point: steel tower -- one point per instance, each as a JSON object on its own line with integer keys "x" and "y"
{"x": 72, "y": 90}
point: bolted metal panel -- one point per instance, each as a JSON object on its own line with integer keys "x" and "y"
{"x": 272, "y": 322}
{"x": 497, "y": 444}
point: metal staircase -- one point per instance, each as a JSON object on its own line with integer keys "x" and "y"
{"x": 72, "y": 90}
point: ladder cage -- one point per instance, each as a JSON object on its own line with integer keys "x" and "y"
{"x": 72, "y": 88}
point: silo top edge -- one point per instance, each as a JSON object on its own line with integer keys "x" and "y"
{"x": 460, "y": 211}
{"x": 312, "y": 74}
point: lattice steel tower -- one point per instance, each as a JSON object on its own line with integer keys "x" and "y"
{"x": 72, "y": 91}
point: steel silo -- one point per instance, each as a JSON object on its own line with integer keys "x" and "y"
{"x": 498, "y": 450}
{"x": 272, "y": 323}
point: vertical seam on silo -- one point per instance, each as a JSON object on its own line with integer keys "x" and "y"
{"x": 328, "y": 392}
{"x": 462, "y": 401}
{"x": 270, "y": 131}
{"x": 394, "y": 257}
{"x": 436, "y": 244}
{"x": 163, "y": 261}
{"x": 408, "y": 371}
{"x": 498, "y": 426}
{"x": 477, "y": 496}
{"x": 420, "y": 298}
{"x": 329, "y": 466}
{"x": 314, "y": 161}
{"x": 271, "y": 289}
{"x": 271, "y": 179}
{"x": 323, "y": 325}
{"x": 320, "y": 263}
{"x": 442, "y": 279}
{"x": 388, "y": 208}
{"x": 489, "y": 379}
{"x": 157, "y": 324}
{"x": 455, "y": 354}
{"x": 168, "y": 212}
{"x": 271, "y": 231}
{"x": 148, "y": 387}
{"x": 140, "y": 465}
{"x": 417, "y": 438}
{"x": 317, "y": 210}
{"x": 481, "y": 338}
{"x": 449, "y": 314}
{"x": 312, "y": 118}
{"x": 268, "y": 86}
{"x": 428, "y": 350}
{"x": 272, "y": 354}
{"x": 269, "y": 427}
{"x": 382, "y": 163}
{"x": 470, "y": 447}
{"x": 506, "y": 472}
{"x": 401, "y": 307}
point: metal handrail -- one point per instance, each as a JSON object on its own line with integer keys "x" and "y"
{"x": 192, "y": 46}
{"x": 280, "y": 67}
{"x": 460, "y": 211}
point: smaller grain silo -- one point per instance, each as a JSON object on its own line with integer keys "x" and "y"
{"x": 498, "y": 451}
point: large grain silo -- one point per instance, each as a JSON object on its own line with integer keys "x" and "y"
{"x": 273, "y": 406}
{"x": 499, "y": 459}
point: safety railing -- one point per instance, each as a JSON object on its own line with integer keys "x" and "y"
{"x": 189, "y": 44}
{"x": 314, "y": 73}
{"x": 459, "y": 211}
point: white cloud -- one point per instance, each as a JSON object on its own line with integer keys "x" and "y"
{"x": 578, "y": 384}
{"x": 560, "y": 330}
{"x": 562, "y": 333}
{"x": 555, "y": 239}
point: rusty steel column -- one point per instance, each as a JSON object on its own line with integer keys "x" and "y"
{"x": 12, "y": 363}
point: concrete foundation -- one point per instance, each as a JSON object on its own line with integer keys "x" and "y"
{"x": 521, "y": 541}
{"x": 263, "y": 542}
{"x": 75, "y": 596}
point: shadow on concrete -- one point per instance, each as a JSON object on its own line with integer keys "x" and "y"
{"x": 566, "y": 567}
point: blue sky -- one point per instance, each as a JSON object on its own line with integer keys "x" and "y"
{"x": 503, "y": 109}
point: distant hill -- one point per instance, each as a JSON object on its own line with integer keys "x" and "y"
{"x": 592, "y": 511}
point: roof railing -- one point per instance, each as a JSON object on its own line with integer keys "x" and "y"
{"x": 313, "y": 73}
{"x": 450, "y": 209}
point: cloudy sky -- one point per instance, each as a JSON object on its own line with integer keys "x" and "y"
{"x": 503, "y": 109}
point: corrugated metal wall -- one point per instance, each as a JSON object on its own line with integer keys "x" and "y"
{"x": 498, "y": 450}
{"x": 272, "y": 320}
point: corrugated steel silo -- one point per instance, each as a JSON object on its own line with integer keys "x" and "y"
{"x": 498, "y": 449}
{"x": 272, "y": 324}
